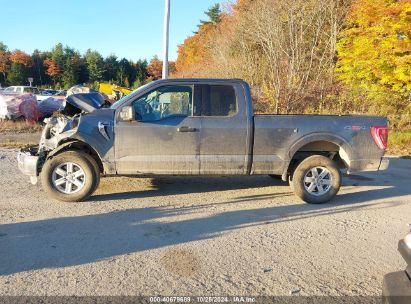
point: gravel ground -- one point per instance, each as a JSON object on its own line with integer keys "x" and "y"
{"x": 201, "y": 236}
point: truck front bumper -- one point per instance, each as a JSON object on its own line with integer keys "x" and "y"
{"x": 28, "y": 160}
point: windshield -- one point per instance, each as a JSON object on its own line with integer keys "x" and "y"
{"x": 137, "y": 91}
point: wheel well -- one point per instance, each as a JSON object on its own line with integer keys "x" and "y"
{"x": 80, "y": 146}
{"x": 322, "y": 147}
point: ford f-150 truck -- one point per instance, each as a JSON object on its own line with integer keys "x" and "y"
{"x": 199, "y": 127}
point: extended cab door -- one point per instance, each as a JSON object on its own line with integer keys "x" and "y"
{"x": 164, "y": 138}
{"x": 226, "y": 126}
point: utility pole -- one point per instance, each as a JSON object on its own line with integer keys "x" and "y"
{"x": 165, "y": 38}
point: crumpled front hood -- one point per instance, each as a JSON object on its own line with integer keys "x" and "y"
{"x": 87, "y": 102}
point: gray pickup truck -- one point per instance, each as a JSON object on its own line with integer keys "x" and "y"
{"x": 199, "y": 127}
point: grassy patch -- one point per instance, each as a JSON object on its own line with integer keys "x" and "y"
{"x": 399, "y": 142}
{"x": 10, "y": 144}
{"x": 19, "y": 126}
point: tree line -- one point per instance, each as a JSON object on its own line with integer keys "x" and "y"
{"x": 310, "y": 56}
{"x": 64, "y": 67}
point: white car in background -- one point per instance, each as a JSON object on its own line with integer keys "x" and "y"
{"x": 21, "y": 90}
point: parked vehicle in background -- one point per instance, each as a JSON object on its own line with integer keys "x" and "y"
{"x": 113, "y": 92}
{"x": 48, "y": 92}
{"x": 22, "y": 90}
{"x": 397, "y": 285}
{"x": 199, "y": 127}
{"x": 44, "y": 94}
{"x": 60, "y": 93}
{"x": 15, "y": 105}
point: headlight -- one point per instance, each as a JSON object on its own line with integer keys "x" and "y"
{"x": 407, "y": 239}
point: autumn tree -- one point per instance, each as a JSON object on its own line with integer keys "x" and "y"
{"x": 64, "y": 66}
{"x": 155, "y": 68}
{"x": 19, "y": 70}
{"x": 22, "y": 58}
{"x": 196, "y": 50}
{"x": 4, "y": 61}
{"x": 53, "y": 69}
{"x": 374, "y": 51}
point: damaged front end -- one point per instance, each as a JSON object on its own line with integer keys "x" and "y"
{"x": 58, "y": 128}
{"x": 30, "y": 160}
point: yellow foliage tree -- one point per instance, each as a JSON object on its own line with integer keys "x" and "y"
{"x": 374, "y": 51}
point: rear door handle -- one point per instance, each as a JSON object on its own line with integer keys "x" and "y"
{"x": 186, "y": 129}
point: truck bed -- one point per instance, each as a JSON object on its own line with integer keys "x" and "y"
{"x": 278, "y": 137}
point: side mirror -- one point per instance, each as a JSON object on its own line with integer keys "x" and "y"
{"x": 126, "y": 114}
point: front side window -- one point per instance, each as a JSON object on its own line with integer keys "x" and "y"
{"x": 164, "y": 102}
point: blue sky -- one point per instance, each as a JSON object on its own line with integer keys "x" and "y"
{"x": 128, "y": 28}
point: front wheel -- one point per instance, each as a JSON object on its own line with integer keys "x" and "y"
{"x": 316, "y": 180}
{"x": 71, "y": 176}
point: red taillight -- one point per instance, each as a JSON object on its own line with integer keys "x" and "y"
{"x": 380, "y": 135}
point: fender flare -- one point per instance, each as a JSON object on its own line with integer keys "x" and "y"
{"x": 64, "y": 144}
{"x": 345, "y": 151}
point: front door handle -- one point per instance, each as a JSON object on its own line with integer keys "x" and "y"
{"x": 186, "y": 129}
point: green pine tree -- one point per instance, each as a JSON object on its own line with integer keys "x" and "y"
{"x": 214, "y": 15}
{"x": 17, "y": 75}
{"x": 95, "y": 65}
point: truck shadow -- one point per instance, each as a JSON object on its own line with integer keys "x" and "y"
{"x": 71, "y": 241}
{"x": 164, "y": 186}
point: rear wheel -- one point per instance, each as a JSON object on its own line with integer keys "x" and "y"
{"x": 316, "y": 180}
{"x": 71, "y": 176}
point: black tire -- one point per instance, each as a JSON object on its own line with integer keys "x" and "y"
{"x": 91, "y": 176}
{"x": 330, "y": 185}
{"x": 96, "y": 168}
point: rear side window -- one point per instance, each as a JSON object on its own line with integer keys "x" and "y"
{"x": 216, "y": 100}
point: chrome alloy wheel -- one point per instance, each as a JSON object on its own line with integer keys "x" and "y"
{"x": 318, "y": 181}
{"x": 68, "y": 178}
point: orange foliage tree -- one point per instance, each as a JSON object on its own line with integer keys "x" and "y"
{"x": 53, "y": 69}
{"x": 196, "y": 51}
{"x": 155, "y": 68}
{"x": 21, "y": 58}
